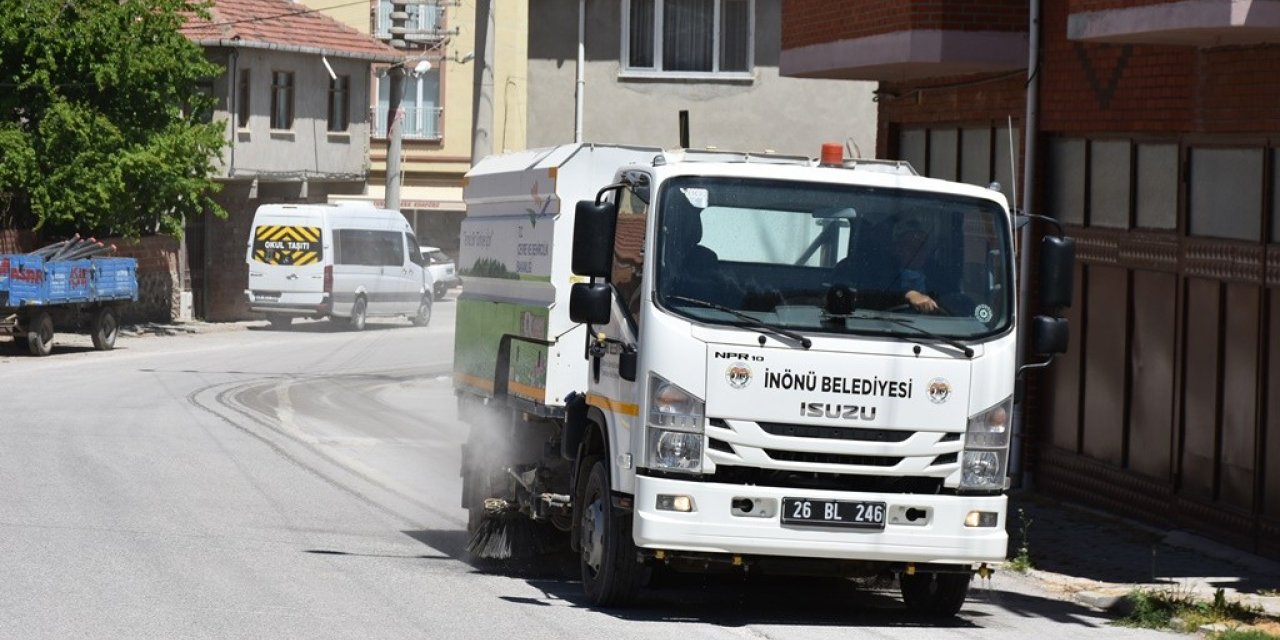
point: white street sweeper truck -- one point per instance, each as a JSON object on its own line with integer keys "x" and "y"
{"x": 699, "y": 360}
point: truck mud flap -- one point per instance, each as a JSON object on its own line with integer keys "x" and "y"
{"x": 575, "y": 425}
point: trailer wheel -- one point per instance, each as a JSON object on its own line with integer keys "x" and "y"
{"x": 935, "y": 595}
{"x": 40, "y": 334}
{"x": 423, "y": 317}
{"x": 611, "y": 573}
{"x": 104, "y": 329}
{"x": 359, "y": 313}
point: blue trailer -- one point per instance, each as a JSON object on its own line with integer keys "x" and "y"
{"x": 65, "y": 286}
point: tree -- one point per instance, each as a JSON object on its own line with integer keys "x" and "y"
{"x": 103, "y": 124}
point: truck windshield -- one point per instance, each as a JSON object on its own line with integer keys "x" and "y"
{"x": 829, "y": 258}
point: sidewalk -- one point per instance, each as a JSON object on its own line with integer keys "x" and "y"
{"x": 1096, "y": 558}
{"x": 191, "y": 327}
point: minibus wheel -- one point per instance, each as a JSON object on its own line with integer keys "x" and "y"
{"x": 359, "y": 313}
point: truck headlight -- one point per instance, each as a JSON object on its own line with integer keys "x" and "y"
{"x": 986, "y": 448}
{"x": 982, "y": 470}
{"x": 675, "y": 450}
{"x": 675, "y": 427}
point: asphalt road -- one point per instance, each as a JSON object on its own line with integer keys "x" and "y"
{"x": 303, "y": 484}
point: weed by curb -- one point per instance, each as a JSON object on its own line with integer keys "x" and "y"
{"x": 1021, "y": 560}
{"x": 1180, "y": 609}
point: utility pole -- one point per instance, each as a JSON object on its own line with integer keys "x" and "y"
{"x": 395, "y": 113}
{"x": 482, "y": 100}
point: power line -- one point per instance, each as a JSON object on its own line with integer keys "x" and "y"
{"x": 285, "y": 15}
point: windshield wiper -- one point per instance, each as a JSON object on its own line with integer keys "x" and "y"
{"x": 910, "y": 324}
{"x": 754, "y": 323}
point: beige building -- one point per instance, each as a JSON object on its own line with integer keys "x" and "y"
{"x": 292, "y": 95}
{"x": 439, "y": 103}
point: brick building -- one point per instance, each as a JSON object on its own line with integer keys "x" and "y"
{"x": 1151, "y": 128}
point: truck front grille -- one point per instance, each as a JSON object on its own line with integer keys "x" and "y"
{"x": 834, "y": 433}
{"x": 832, "y": 458}
{"x": 728, "y": 474}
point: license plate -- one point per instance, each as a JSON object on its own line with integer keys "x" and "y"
{"x": 833, "y": 513}
{"x": 266, "y": 296}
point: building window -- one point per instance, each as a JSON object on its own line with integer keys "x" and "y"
{"x": 689, "y": 37}
{"x": 421, "y": 106}
{"x": 201, "y": 107}
{"x": 426, "y": 21}
{"x": 1225, "y": 188}
{"x": 281, "y": 99}
{"x": 242, "y": 100}
{"x": 975, "y": 154}
{"x": 339, "y": 103}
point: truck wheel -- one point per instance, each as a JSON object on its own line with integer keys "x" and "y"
{"x": 423, "y": 317}
{"x": 611, "y": 573}
{"x": 280, "y": 323}
{"x": 359, "y": 313}
{"x": 439, "y": 290}
{"x": 935, "y": 595}
{"x": 40, "y": 334}
{"x": 104, "y": 329}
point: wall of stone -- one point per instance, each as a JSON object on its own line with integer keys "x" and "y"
{"x": 159, "y": 278}
{"x": 17, "y": 241}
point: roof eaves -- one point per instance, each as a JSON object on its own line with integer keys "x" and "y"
{"x": 293, "y": 48}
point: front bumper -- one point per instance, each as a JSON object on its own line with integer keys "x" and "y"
{"x": 713, "y": 527}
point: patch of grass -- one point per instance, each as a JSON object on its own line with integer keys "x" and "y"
{"x": 1180, "y": 610}
{"x": 1243, "y": 634}
{"x": 1021, "y": 560}
{"x": 1269, "y": 593}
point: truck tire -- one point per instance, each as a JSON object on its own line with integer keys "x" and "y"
{"x": 439, "y": 290}
{"x": 611, "y": 572}
{"x": 40, "y": 334}
{"x": 423, "y": 317}
{"x": 359, "y": 313}
{"x": 104, "y": 329}
{"x": 935, "y": 595}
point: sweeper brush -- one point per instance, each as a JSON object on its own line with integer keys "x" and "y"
{"x": 504, "y": 533}
{"x": 507, "y": 534}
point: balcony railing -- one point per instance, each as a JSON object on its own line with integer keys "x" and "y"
{"x": 420, "y": 123}
{"x": 426, "y": 22}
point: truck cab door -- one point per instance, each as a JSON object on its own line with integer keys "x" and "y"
{"x": 616, "y": 390}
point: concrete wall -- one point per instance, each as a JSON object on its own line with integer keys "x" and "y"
{"x": 308, "y": 148}
{"x": 511, "y": 73}
{"x": 787, "y": 115}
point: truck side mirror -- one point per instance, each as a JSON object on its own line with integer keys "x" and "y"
{"x": 1057, "y": 271}
{"x": 593, "y": 229}
{"x": 591, "y": 302}
{"x": 1049, "y": 336}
